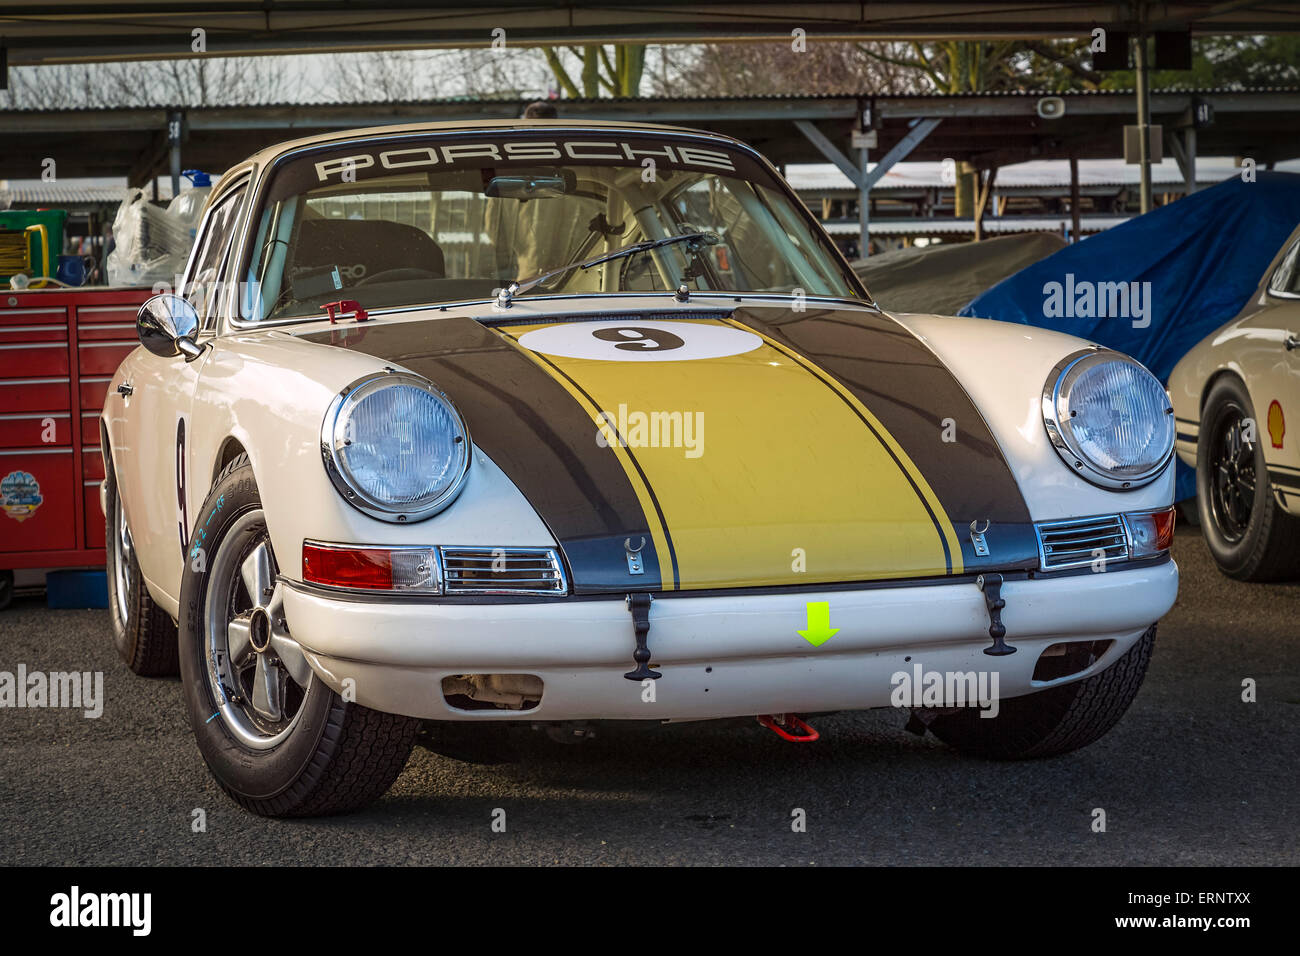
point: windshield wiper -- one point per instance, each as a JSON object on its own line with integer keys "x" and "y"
{"x": 694, "y": 240}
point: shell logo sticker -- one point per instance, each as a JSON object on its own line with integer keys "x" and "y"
{"x": 640, "y": 341}
{"x": 20, "y": 495}
{"x": 1276, "y": 424}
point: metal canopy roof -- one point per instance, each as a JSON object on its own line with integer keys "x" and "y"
{"x": 61, "y": 31}
{"x": 983, "y": 128}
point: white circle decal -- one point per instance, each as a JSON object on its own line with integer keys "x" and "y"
{"x": 638, "y": 340}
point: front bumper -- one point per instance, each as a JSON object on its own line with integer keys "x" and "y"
{"x": 720, "y": 655}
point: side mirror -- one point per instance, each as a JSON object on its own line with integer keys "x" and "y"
{"x": 167, "y": 326}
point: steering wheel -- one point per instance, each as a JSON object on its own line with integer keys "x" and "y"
{"x": 403, "y": 274}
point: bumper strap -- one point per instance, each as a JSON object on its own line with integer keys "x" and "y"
{"x": 639, "y": 606}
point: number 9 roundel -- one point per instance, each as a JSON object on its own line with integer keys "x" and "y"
{"x": 633, "y": 340}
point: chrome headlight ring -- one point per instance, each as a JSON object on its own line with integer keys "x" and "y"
{"x": 1058, "y": 415}
{"x": 334, "y": 444}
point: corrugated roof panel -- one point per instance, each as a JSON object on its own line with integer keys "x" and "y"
{"x": 767, "y": 97}
{"x": 1011, "y": 224}
{"x": 1034, "y": 174}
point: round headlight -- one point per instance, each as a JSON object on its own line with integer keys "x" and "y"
{"x": 395, "y": 447}
{"x": 1109, "y": 418}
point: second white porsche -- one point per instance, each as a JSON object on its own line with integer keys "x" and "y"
{"x": 1233, "y": 395}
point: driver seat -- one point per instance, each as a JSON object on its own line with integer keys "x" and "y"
{"x": 363, "y": 247}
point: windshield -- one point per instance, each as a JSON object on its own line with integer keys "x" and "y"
{"x": 414, "y": 221}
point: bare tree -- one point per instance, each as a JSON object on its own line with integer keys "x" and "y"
{"x": 380, "y": 77}
{"x": 391, "y": 76}
{"x": 774, "y": 69}
{"x": 194, "y": 81}
{"x": 597, "y": 72}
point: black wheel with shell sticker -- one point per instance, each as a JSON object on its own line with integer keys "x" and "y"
{"x": 278, "y": 740}
{"x": 1249, "y": 536}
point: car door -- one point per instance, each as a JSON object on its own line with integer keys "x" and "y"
{"x": 1269, "y": 355}
{"x": 155, "y": 469}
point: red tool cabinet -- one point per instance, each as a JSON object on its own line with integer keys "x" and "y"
{"x": 58, "y": 350}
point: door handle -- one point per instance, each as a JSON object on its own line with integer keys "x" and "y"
{"x": 125, "y": 389}
{"x": 1292, "y": 343}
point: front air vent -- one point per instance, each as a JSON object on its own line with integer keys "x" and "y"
{"x": 1081, "y": 541}
{"x": 502, "y": 571}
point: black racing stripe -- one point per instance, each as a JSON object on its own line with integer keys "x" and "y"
{"x": 938, "y": 525}
{"x": 905, "y": 385}
{"x": 663, "y": 521}
{"x": 535, "y": 431}
{"x": 1283, "y": 479}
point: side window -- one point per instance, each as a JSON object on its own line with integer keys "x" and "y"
{"x": 202, "y": 286}
{"x": 1286, "y": 277}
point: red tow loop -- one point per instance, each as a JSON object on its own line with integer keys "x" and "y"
{"x": 782, "y": 724}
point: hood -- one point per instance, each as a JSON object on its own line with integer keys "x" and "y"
{"x": 760, "y": 447}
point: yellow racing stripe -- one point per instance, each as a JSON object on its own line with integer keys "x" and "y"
{"x": 783, "y": 477}
{"x": 942, "y": 520}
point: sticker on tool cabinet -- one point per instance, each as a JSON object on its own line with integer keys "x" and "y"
{"x": 20, "y": 495}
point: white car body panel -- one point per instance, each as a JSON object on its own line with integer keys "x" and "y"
{"x": 268, "y": 392}
{"x": 722, "y": 656}
{"x": 1003, "y": 366}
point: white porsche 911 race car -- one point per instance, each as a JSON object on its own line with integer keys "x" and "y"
{"x": 551, "y": 423}
{"x": 1232, "y": 395}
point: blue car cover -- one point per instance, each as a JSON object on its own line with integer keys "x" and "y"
{"x": 1156, "y": 285}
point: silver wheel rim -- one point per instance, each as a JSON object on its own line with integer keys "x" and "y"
{"x": 123, "y": 552}
{"x": 257, "y": 673}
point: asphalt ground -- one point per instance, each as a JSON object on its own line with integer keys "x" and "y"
{"x": 1191, "y": 775}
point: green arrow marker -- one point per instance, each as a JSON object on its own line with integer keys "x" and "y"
{"x": 819, "y": 624}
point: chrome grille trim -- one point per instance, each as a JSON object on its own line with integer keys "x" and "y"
{"x": 473, "y": 570}
{"x": 1074, "y": 543}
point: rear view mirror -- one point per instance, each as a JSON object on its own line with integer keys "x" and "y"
{"x": 167, "y": 326}
{"x": 531, "y": 186}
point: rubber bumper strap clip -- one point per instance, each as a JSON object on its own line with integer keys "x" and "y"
{"x": 639, "y": 606}
{"x": 991, "y": 585}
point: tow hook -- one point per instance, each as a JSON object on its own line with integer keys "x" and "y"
{"x": 991, "y": 585}
{"x": 639, "y": 606}
{"x": 783, "y": 724}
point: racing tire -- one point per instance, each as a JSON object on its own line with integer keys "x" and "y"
{"x": 143, "y": 633}
{"x": 278, "y": 740}
{"x": 1053, "y": 721}
{"x": 1249, "y": 536}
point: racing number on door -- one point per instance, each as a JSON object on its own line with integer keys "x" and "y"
{"x": 639, "y": 339}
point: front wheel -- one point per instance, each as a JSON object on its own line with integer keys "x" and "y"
{"x": 1053, "y": 721}
{"x": 278, "y": 740}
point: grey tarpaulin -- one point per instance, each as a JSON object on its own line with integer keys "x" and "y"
{"x": 944, "y": 278}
